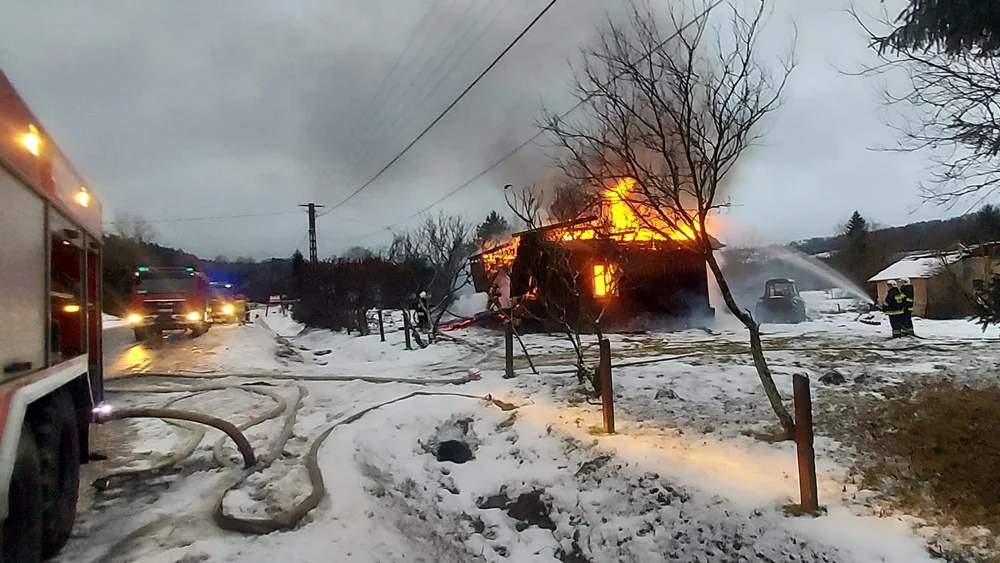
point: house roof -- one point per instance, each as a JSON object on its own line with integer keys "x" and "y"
{"x": 919, "y": 265}
{"x": 716, "y": 243}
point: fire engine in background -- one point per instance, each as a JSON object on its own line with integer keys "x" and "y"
{"x": 50, "y": 334}
{"x": 169, "y": 299}
{"x": 223, "y": 296}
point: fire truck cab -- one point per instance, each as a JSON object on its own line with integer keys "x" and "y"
{"x": 169, "y": 299}
{"x": 50, "y": 333}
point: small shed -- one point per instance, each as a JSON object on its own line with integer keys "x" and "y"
{"x": 942, "y": 281}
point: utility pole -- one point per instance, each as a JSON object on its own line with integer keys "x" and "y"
{"x": 313, "y": 255}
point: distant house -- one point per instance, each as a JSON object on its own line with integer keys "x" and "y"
{"x": 943, "y": 282}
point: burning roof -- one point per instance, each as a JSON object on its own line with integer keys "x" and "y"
{"x": 618, "y": 221}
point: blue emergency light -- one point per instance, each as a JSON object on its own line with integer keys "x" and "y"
{"x": 190, "y": 269}
{"x": 143, "y": 269}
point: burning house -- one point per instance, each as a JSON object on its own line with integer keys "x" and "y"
{"x": 615, "y": 265}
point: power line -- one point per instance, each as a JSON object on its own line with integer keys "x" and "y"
{"x": 398, "y": 111}
{"x": 450, "y": 106}
{"x": 536, "y": 135}
{"x": 222, "y": 217}
{"x": 366, "y": 119}
{"x": 212, "y": 218}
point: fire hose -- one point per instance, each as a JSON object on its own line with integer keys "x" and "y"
{"x": 292, "y": 377}
{"x": 174, "y": 414}
{"x": 252, "y": 463}
{"x": 290, "y": 518}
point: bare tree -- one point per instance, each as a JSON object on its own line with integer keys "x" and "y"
{"x": 134, "y": 228}
{"x": 555, "y": 281}
{"x": 671, "y": 117}
{"x": 440, "y": 246}
{"x": 948, "y": 106}
{"x": 526, "y": 204}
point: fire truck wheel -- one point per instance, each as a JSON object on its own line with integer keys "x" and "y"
{"x": 58, "y": 441}
{"x": 197, "y": 331}
{"x": 140, "y": 334}
{"x": 22, "y": 530}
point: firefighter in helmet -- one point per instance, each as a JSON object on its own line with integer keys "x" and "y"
{"x": 423, "y": 311}
{"x": 894, "y": 308}
{"x": 906, "y": 288}
{"x": 493, "y": 298}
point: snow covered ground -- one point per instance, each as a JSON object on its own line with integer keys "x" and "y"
{"x": 682, "y": 480}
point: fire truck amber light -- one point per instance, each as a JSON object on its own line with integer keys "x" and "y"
{"x": 82, "y": 197}
{"x": 228, "y": 309}
{"x": 193, "y": 316}
{"x": 134, "y": 319}
{"x": 32, "y": 141}
{"x": 71, "y": 309}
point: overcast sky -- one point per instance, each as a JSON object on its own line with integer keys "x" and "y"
{"x": 203, "y": 108}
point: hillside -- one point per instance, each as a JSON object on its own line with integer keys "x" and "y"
{"x": 924, "y": 235}
{"x": 122, "y": 256}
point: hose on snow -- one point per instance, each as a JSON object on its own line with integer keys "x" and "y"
{"x": 175, "y": 414}
{"x": 303, "y": 378}
{"x": 290, "y": 518}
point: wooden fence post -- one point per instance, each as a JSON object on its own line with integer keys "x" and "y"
{"x": 381, "y": 326}
{"x": 508, "y": 340}
{"x": 607, "y": 388}
{"x": 804, "y": 444}
{"x": 406, "y": 328}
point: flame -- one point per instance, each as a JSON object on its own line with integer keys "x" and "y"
{"x": 604, "y": 280}
{"x": 626, "y": 225}
{"x": 501, "y": 256}
{"x": 619, "y": 222}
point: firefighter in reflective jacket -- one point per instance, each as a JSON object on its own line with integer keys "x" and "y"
{"x": 906, "y": 288}
{"x": 894, "y": 307}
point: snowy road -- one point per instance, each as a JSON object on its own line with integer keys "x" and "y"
{"x": 680, "y": 482}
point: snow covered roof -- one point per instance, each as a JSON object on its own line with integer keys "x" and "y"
{"x": 918, "y": 265}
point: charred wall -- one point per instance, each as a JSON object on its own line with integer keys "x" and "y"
{"x": 651, "y": 283}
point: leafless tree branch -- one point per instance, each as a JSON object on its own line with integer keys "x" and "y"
{"x": 672, "y": 118}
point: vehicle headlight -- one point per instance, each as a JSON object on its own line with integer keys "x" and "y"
{"x": 228, "y": 309}
{"x": 194, "y": 316}
{"x": 134, "y": 319}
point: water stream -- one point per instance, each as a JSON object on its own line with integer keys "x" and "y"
{"x": 818, "y": 268}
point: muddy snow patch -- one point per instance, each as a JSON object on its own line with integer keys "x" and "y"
{"x": 531, "y": 493}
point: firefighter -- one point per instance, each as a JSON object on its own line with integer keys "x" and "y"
{"x": 240, "y": 310}
{"x": 906, "y": 288}
{"x": 423, "y": 311}
{"x": 894, "y": 307}
{"x": 493, "y": 298}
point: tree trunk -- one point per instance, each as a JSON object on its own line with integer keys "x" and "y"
{"x": 756, "y": 349}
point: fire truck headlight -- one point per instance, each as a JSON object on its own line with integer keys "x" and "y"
{"x": 228, "y": 309}
{"x": 134, "y": 319}
{"x": 194, "y": 316}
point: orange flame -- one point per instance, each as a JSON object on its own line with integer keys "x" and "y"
{"x": 629, "y": 226}
{"x": 620, "y": 222}
{"x": 604, "y": 283}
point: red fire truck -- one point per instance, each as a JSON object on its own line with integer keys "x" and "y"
{"x": 170, "y": 299}
{"x": 50, "y": 333}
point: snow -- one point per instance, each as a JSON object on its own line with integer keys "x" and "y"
{"x": 922, "y": 265}
{"x": 682, "y": 479}
{"x": 111, "y": 321}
